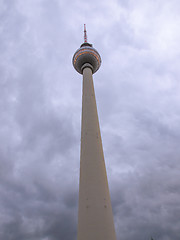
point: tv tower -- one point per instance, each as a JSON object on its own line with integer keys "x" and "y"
{"x": 95, "y": 218}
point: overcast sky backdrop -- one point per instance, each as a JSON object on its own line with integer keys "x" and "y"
{"x": 138, "y": 97}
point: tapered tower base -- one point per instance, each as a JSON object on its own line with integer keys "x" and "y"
{"x": 95, "y": 218}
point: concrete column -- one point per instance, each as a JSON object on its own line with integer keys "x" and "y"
{"x": 95, "y": 218}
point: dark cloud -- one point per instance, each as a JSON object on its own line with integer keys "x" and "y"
{"x": 137, "y": 90}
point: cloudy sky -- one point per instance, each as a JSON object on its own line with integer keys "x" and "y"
{"x": 138, "y": 97}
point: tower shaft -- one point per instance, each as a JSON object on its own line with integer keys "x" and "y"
{"x": 95, "y": 218}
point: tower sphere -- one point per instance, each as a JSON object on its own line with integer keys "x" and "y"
{"x": 85, "y": 56}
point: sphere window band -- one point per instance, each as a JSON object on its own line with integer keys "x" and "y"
{"x": 84, "y": 52}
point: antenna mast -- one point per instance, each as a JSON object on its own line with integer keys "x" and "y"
{"x": 85, "y": 34}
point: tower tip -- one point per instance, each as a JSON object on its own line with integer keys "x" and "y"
{"x": 85, "y": 34}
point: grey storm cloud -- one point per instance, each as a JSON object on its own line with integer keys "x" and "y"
{"x": 137, "y": 91}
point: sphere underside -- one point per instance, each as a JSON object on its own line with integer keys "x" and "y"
{"x": 86, "y": 55}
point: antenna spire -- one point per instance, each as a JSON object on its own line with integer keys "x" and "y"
{"x": 85, "y": 34}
